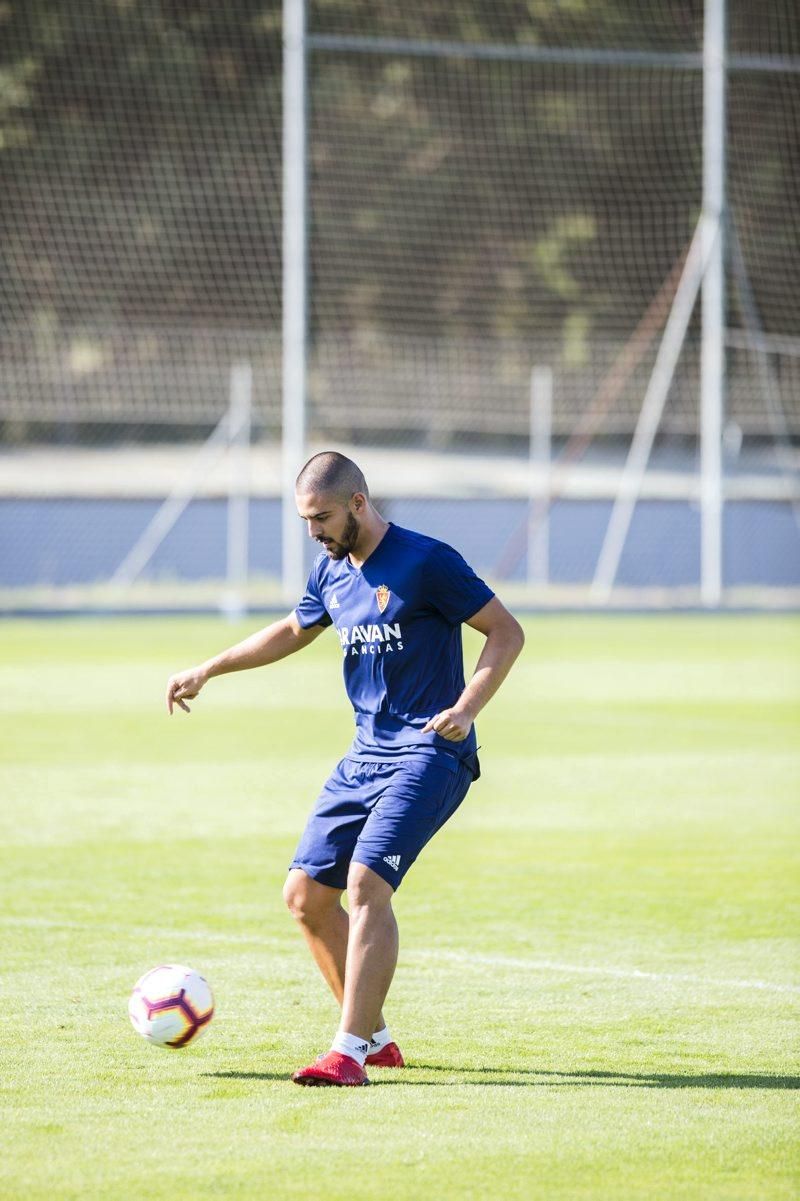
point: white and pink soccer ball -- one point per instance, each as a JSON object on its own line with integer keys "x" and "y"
{"x": 171, "y": 1006}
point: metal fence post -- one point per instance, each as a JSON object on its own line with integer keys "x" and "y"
{"x": 712, "y": 360}
{"x": 541, "y": 423}
{"x": 234, "y": 601}
{"x": 294, "y": 289}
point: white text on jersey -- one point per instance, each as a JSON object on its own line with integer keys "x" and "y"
{"x": 371, "y": 638}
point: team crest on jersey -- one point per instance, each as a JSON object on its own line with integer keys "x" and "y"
{"x": 382, "y": 593}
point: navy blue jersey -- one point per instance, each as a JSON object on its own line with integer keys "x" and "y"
{"x": 398, "y": 618}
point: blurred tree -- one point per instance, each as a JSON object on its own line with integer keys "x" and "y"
{"x": 140, "y": 151}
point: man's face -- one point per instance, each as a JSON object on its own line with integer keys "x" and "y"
{"x": 330, "y": 522}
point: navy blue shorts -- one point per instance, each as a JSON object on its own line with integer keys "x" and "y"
{"x": 381, "y": 814}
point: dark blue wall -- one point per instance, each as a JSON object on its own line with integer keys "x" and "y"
{"x": 83, "y": 541}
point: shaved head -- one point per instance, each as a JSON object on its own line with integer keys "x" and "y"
{"x": 331, "y": 474}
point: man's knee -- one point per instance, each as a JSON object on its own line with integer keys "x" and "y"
{"x": 366, "y": 889}
{"x": 306, "y": 899}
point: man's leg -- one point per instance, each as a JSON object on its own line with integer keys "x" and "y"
{"x": 371, "y": 951}
{"x": 317, "y": 908}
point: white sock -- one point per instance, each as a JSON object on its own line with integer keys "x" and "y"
{"x": 379, "y": 1040}
{"x": 350, "y": 1044}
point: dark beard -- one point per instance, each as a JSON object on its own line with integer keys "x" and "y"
{"x": 338, "y": 550}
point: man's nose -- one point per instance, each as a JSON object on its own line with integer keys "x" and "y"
{"x": 313, "y": 529}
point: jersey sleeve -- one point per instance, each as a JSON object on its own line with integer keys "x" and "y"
{"x": 454, "y": 588}
{"x": 311, "y": 610}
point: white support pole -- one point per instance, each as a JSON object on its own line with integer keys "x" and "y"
{"x": 712, "y": 351}
{"x": 234, "y": 601}
{"x": 650, "y": 415}
{"x": 168, "y": 513}
{"x": 294, "y": 290}
{"x": 541, "y": 423}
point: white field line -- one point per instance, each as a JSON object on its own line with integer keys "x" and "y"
{"x": 466, "y": 958}
{"x": 582, "y": 969}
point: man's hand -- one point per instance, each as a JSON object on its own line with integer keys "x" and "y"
{"x": 184, "y": 687}
{"x": 453, "y": 724}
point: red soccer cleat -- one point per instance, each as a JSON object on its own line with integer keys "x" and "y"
{"x": 389, "y": 1056}
{"x": 332, "y": 1069}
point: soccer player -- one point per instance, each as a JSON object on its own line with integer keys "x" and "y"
{"x": 398, "y": 600}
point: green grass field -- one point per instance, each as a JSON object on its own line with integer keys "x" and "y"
{"x": 598, "y": 986}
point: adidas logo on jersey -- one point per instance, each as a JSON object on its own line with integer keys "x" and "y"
{"x": 393, "y": 861}
{"x": 334, "y": 602}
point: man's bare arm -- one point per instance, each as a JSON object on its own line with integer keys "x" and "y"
{"x": 504, "y": 641}
{"x": 274, "y": 642}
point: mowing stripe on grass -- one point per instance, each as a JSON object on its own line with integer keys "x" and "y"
{"x": 465, "y": 958}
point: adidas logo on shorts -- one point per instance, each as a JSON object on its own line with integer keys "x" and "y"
{"x": 393, "y": 861}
